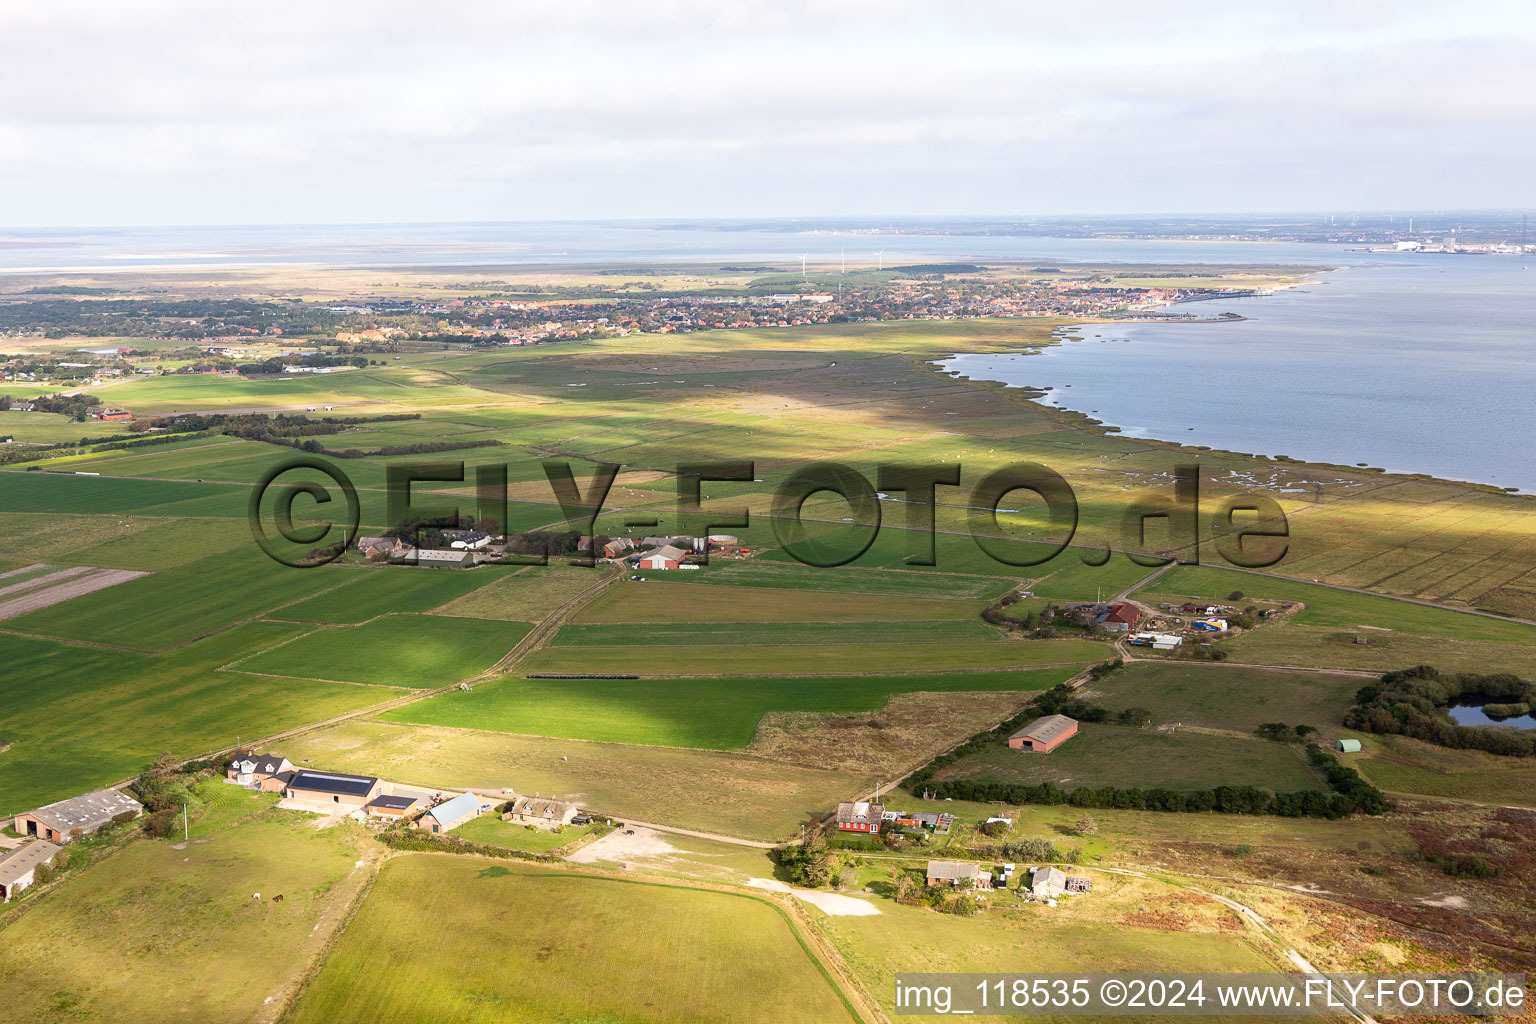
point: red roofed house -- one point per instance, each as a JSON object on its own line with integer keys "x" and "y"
{"x": 859, "y": 816}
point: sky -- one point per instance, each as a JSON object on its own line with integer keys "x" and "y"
{"x": 171, "y": 112}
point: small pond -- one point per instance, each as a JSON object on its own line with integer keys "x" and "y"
{"x": 1472, "y": 714}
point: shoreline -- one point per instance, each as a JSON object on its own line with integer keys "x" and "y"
{"x": 1036, "y": 394}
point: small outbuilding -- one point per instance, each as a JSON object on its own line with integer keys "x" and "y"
{"x": 1044, "y": 735}
{"x": 450, "y": 814}
{"x": 958, "y": 872}
{"x": 1347, "y": 746}
{"x": 1048, "y": 883}
{"x": 393, "y": 806}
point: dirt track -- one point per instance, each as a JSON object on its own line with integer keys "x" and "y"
{"x": 74, "y": 586}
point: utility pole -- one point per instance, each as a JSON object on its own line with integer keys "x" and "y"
{"x": 186, "y": 829}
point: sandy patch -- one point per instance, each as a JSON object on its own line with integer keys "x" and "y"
{"x": 1446, "y": 902}
{"x": 829, "y": 902}
{"x": 618, "y": 846}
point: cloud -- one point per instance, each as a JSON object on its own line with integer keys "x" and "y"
{"x": 179, "y": 112}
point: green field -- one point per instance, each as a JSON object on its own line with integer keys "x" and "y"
{"x": 663, "y": 603}
{"x": 647, "y": 952}
{"x": 1233, "y": 697}
{"x": 813, "y": 659}
{"x": 177, "y": 605}
{"x": 720, "y": 714}
{"x": 418, "y": 651}
{"x": 719, "y": 634}
{"x": 391, "y": 589}
{"x": 1119, "y": 755}
{"x": 81, "y": 717}
{"x": 157, "y": 934}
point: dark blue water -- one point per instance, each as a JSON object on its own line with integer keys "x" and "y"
{"x": 1420, "y": 364}
{"x": 1469, "y": 714}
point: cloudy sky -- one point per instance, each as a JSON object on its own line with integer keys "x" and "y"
{"x": 162, "y": 111}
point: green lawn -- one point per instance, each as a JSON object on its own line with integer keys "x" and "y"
{"x": 491, "y": 830}
{"x": 1118, "y": 755}
{"x": 80, "y": 717}
{"x": 719, "y": 714}
{"x": 418, "y": 651}
{"x": 565, "y": 947}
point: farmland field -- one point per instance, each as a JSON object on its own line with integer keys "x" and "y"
{"x": 716, "y": 634}
{"x": 418, "y": 651}
{"x": 813, "y": 659}
{"x": 385, "y": 590}
{"x": 178, "y": 604}
{"x": 81, "y": 717}
{"x": 649, "y": 952}
{"x": 720, "y": 714}
{"x": 163, "y": 935}
{"x": 1231, "y": 697}
{"x": 1119, "y": 755}
{"x": 664, "y": 602}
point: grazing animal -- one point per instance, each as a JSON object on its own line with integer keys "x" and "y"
{"x": 255, "y": 895}
{"x": 278, "y": 898}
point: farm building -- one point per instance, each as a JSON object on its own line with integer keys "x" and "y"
{"x": 1044, "y": 735}
{"x": 467, "y": 540}
{"x": 393, "y": 806}
{"x": 658, "y": 562}
{"x": 18, "y": 867}
{"x": 85, "y": 814}
{"x": 540, "y": 811}
{"x": 1347, "y": 746}
{"x": 958, "y": 872}
{"x": 1156, "y": 641}
{"x": 859, "y": 816}
{"x": 325, "y": 792}
{"x": 1121, "y": 618}
{"x": 374, "y": 547}
{"x": 254, "y": 769}
{"x": 618, "y": 546}
{"x": 450, "y": 814}
{"x": 445, "y": 559}
{"x": 1048, "y": 883}
{"x": 112, "y": 414}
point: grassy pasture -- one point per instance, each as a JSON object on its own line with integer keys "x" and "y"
{"x": 1218, "y": 696}
{"x": 78, "y": 717}
{"x": 418, "y": 651}
{"x": 162, "y": 543}
{"x": 738, "y": 794}
{"x": 1117, "y": 755}
{"x": 180, "y": 603}
{"x": 523, "y": 595}
{"x": 692, "y": 634}
{"x": 384, "y": 590}
{"x": 649, "y": 952}
{"x": 657, "y": 602}
{"x": 491, "y": 830}
{"x": 779, "y": 575}
{"x": 719, "y": 714}
{"x": 813, "y": 659}
{"x": 156, "y": 934}
{"x": 1398, "y": 764}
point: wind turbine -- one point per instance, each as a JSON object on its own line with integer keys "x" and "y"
{"x": 802, "y": 265}
{"x": 842, "y": 259}
{"x": 880, "y": 260}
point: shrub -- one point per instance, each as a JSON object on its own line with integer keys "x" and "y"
{"x": 1086, "y": 825}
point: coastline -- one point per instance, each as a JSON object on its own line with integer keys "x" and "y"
{"x": 1038, "y": 394}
